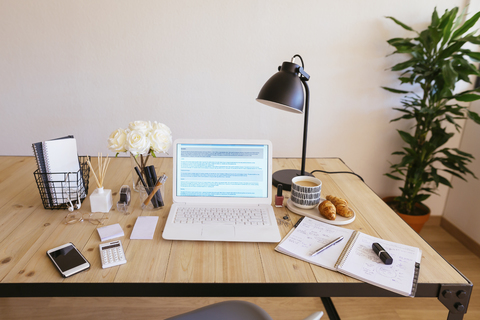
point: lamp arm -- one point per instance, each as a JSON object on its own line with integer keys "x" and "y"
{"x": 305, "y": 123}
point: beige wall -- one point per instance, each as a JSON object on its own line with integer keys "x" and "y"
{"x": 89, "y": 67}
{"x": 463, "y": 204}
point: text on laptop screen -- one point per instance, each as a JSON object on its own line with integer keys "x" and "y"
{"x": 222, "y": 170}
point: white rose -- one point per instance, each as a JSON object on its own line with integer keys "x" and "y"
{"x": 160, "y": 139}
{"x": 158, "y": 125}
{"x": 142, "y": 126}
{"x": 116, "y": 140}
{"x": 137, "y": 142}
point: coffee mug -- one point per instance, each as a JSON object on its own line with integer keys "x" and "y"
{"x": 306, "y": 192}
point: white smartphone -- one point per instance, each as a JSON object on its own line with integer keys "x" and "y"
{"x": 68, "y": 259}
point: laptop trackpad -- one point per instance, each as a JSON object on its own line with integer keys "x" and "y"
{"x": 218, "y": 232}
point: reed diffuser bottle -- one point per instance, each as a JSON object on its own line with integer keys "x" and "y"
{"x": 101, "y": 199}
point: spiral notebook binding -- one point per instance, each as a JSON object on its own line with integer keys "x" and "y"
{"x": 49, "y": 177}
{"x": 415, "y": 279}
{"x": 346, "y": 251}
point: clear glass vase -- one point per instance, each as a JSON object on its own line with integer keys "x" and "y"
{"x": 138, "y": 168}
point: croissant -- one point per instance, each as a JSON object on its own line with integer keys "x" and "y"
{"x": 341, "y": 205}
{"x": 336, "y": 200}
{"x": 344, "y": 211}
{"x": 327, "y": 209}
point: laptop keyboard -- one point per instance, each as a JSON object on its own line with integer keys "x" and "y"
{"x": 221, "y": 216}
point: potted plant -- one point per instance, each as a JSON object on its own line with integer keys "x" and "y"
{"x": 437, "y": 61}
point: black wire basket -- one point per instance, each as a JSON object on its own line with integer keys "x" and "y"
{"x": 59, "y": 190}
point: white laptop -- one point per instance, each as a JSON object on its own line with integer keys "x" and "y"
{"x": 232, "y": 179}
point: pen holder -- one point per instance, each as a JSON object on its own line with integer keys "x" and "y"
{"x": 155, "y": 200}
{"x": 101, "y": 200}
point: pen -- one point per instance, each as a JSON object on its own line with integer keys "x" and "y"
{"x": 382, "y": 254}
{"x": 334, "y": 242}
{"x": 298, "y": 222}
{"x": 152, "y": 175}
{"x": 154, "y": 191}
{"x": 140, "y": 176}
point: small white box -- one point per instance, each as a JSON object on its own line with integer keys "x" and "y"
{"x": 101, "y": 200}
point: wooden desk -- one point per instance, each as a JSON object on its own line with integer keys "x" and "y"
{"x": 182, "y": 268}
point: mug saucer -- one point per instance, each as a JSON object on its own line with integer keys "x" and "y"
{"x": 315, "y": 214}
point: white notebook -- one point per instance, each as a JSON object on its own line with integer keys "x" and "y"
{"x": 354, "y": 255}
{"x": 61, "y": 157}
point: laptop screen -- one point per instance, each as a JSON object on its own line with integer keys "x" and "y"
{"x": 222, "y": 170}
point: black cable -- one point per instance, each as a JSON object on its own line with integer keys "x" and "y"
{"x": 297, "y": 55}
{"x": 333, "y": 172}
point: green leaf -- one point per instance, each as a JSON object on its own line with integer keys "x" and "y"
{"x": 474, "y": 116}
{"x": 406, "y": 117}
{"x": 447, "y": 30}
{"x": 391, "y": 176}
{"x": 468, "y": 97}
{"x": 404, "y": 26}
{"x": 454, "y": 173}
{"x": 421, "y": 197}
{"x": 396, "y": 90}
{"x": 402, "y": 45}
{"x": 435, "y": 19}
{"x": 406, "y": 80}
{"x": 449, "y": 75}
{"x": 407, "y": 137}
{"x": 463, "y": 153}
{"x": 426, "y": 39}
{"x": 404, "y": 65}
{"x": 466, "y": 26}
{"x": 454, "y": 47}
{"x": 474, "y": 55}
{"x": 444, "y": 181}
{"x": 472, "y": 39}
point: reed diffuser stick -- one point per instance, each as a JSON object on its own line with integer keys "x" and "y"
{"x": 102, "y": 169}
{"x": 93, "y": 171}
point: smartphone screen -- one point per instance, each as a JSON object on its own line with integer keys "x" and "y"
{"x": 68, "y": 259}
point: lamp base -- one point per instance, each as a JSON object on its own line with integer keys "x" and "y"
{"x": 285, "y": 177}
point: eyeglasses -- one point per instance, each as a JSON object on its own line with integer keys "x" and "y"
{"x": 72, "y": 218}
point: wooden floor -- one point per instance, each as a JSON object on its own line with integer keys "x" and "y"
{"x": 278, "y": 308}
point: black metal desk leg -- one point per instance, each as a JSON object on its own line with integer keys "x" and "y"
{"x": 330, "y": 308}
{"x": 456, "y": 299}
{"x": 455, "y": 316}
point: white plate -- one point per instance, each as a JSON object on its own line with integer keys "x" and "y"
{"x": 315, "y": 214}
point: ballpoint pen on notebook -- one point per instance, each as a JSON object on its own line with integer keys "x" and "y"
{"x": 328, "y": 245}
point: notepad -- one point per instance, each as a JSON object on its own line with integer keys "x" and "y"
{"x": 110, "y": 232}
{"x": 354, "y": 255}
{"x": 144, "y": 228}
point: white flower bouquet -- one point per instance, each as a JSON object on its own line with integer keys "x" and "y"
{"x": 141, "y": 139}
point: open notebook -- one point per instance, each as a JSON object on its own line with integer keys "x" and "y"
{"x": 229, "y": 183}
{"x": 354, "y": 255}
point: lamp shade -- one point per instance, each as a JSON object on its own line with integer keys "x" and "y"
{"x": 284, "y": 90}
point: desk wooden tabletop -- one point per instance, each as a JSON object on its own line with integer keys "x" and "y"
{"x": 27, "y": 231}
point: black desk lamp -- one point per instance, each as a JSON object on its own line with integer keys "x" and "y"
{"x": 284, "y": 91}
